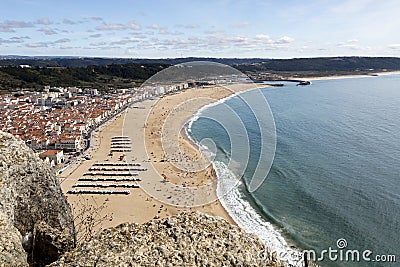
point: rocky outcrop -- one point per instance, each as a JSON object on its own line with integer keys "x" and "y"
{"x": 11, "y": 251}
{"x": 36, "y": 228}
{"x": 187, "y": 239}
{"x": 34, "y": 213}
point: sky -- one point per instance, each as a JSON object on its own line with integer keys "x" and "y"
{"x": 193, "y": 28}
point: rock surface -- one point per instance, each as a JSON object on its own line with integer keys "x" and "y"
{"x": 187, "y": 239}
{"x": 30, "y": 198}
{"x": 36, "y": 227}
{"x": 11, "y": 251}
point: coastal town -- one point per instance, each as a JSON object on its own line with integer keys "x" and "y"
{"x": 58, "y": 122}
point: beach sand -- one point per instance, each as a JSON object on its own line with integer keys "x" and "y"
{"x": 372, "y": 74}
{"x": 178, "y": 177}
{"x": 167, "y": 187}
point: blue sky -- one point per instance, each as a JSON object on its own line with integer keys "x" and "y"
{"x": 220, "y": 28}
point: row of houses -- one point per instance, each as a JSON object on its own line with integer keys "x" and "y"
{"x": 58, "y": 120}
{"x": 48, "y": 128}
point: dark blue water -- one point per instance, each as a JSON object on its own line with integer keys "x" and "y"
{"x": 336, "y": 172}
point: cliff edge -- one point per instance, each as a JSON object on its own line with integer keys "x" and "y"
{"x": 186, "y": 239}
{"x": 36, "y": 224}
{"x": 36, "y": 228}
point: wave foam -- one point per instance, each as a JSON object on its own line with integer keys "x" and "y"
{"x": 240, "y": 210}
{"x": 249, "y": 220}
{"x": 199, "y": 112}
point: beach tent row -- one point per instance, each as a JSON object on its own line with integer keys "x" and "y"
{"x": 105, "y": 185}
{"x": 128, "y": 141}
{"x": 110, "y": 179}
{"x": 121, "y": 150}
{"x": 111, "y": 174}
{"x": 109, "y": 168}
{"x": 116, "y": 164}
{"x": 99, "y": 192}
{"x": 120, "y": 137}
{"x": 120, "y": 146}
{"x": 121, "y": 142}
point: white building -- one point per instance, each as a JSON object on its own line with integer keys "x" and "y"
{"x": 70, "y": 143}
{"x": 53, "y": 157}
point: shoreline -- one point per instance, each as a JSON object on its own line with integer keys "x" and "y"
{"x": 149, "y": 201}
{"x": 206, "y": 178}
{"x": 238, "y": 206}
{"x": 171, "y": 210}
{"x": 350, "y": 76}
{"x": 139, "y": 206}
{"x": 332, "y": 77}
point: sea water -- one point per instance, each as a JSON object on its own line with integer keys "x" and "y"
{"x": 336, "y": 171}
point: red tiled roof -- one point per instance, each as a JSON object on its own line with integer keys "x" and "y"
{"x": 50, "y": 152}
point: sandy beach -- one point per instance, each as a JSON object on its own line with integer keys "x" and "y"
{"x": 178, "y": 177}
{"x": 172, "y": 182}
{"x": 372, "y": 74}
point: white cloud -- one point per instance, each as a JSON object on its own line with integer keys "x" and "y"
{"x": 394, "y": 46}
{"x": 44, "y": 21}
{"x": 266, "y": 39}
{"x": 47, "y": 31}
{"x": 47, "y": 44}
{"x": 124, "y": 42}
{"x": 238, "y": 39}
{"x": 134, "y": 25}
{"x": 63, "y": 40}
{"x": 241, "y": 25}
{"x": 118, "y": 26}
{"x": 37, "y": 45}
{"x": 218, "y": 41}
{"x": 131, "y": 51}
{"x": 163, "y": 30}
{"x": 69, "y": 22}
{"x": 97, "y": 18}
{"x": 111, "y": 27}
{"x": 155, "y": 26}
{"x": 188, "y": 26}
{"x": 12, "y": 40}
{"x": 352, "y": 41}
{"x": 352, "y": 44}
{"x": 347, "y": 43}
{"x": 263, "y": 37}
{"x": 98, "y": 44}
{"x": 284, "y": 40}
{"x": 11, "y": 25}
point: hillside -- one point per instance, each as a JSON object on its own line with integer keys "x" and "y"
{"x": 325, "y": 64}
{"x": 93, "y": 61}
{"x": 105, "y": 73}
{"x": 101, "y": 77}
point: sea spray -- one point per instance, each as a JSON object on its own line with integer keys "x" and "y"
{"x": 249, "y": 219}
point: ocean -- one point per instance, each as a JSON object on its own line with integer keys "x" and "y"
{"x": 334, "y": 183}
